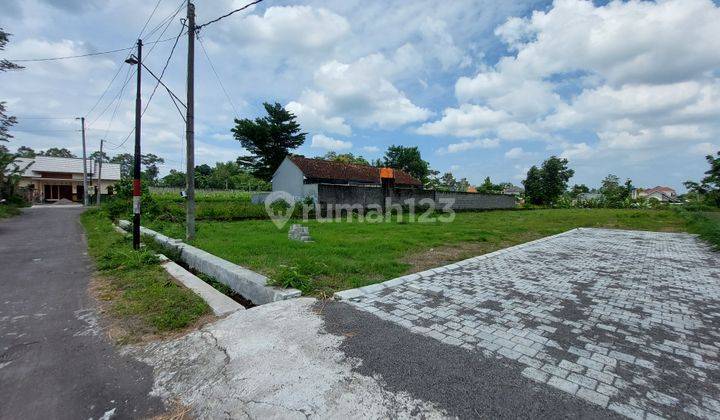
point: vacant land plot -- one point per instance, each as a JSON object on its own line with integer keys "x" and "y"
{"x": 351, "y": 254}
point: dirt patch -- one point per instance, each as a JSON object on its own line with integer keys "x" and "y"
{"x": 127, "y": 329}
{"x": 448, "y": 254}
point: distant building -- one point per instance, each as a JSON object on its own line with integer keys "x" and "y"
{"x": 582, "y": 197}
{"x": 662, "y": 194}
{"x": 48, "y": 179}
{"x": 513, "y": 190}
{"x": 471, "y": 189}
{"x": 300, "y": 176}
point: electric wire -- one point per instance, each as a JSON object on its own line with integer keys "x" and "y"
{"x": 217, "y": 77}
{"x": 198, "y": 27}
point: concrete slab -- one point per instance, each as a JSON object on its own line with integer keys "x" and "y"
{"x": 220, "y": 304}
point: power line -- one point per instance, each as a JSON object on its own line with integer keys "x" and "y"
{"x": 128, "y": 76}
{"x": 162, "y": 73}
{"x": 68, "y": 57}
{"x": 149, "y": 18}
{"x": 217, "y": 77}
{"x": 198, "y": 27}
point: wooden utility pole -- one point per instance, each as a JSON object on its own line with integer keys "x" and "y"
{"x": 190, "y": 126}
{"x": 137, "y": 190}
{"x": 99, "y": 178}
{"x": 85, "y": 183}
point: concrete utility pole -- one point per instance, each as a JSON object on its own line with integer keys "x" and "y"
{"x": 99, "y": 179}
{"x": 137, "y": 190}
{"x": 190, "y": 126}
{"x": 85, "y": 183}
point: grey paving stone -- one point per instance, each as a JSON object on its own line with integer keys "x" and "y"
{"x": 622, "y": 319}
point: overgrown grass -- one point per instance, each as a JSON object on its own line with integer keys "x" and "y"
{"x": 141, "y": 295}
{"x": 346, "y": 255}
{"x": 206, "y": 196}
{"x": 8, "y": 210}
{"x": 705, "y": 223}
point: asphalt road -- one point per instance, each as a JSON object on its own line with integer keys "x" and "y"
{"x": 463, "y": 383}
{"x": 54, "y": 360}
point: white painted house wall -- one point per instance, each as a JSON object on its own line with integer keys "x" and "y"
{"x": 289, "y": 178}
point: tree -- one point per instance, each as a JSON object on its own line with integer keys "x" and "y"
{"x": 174, "y": 179}
{"x": 463, "y": 185}
{"x": 25, "y": 152}
{"x": 6, "y": 121}
{"x": 57, "y": 152}
{"x": 533, "y": 184}
{"x": 446, "y": 182}
{"x": 97, "y": 156}
{"x": 709, "y": 187}
{"x": 576, "y": 190}
{"x": 487, "y": 187}
{"x": 126, "y": 164}
{"x": 6, "y": 65}
{"x": 613, "y": 192}
{"x": 151, "y": 162}
{"x": 345, "y": 158}
{"x": 268, "y": 139}
{"x": 409, "y": 160}
{"x": 555, "y": 176}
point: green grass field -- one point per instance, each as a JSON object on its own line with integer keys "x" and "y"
{"x": 141, "y": 297}
{"x": 351, "y": 254}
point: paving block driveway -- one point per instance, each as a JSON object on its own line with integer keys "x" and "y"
{"x": 622, "y": 319}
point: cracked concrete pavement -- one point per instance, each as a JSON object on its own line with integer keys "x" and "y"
{"x": 274, "y": 361}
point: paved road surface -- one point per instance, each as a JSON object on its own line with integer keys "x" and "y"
{"x": 625, "y": 320}
{"x": 54, "y": 361}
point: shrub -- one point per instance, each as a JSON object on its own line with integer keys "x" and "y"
{"x": 291, "y": 277}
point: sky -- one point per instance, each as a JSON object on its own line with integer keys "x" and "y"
{"x": 483, "y": 88}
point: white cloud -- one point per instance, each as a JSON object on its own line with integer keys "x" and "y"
{"x": 578, "y": 151}
{"x": 704, "y": 149}
{"x": 371, "y": 149}
{"x": 467, "y": 121}
{"x": 320, "y": 141}
{"x": 516, "y": 153}
{"x": 288, "y": 29}
{"x": 312, "y": 119}
{"x": 621, "y": 82}
{"x": 361, "y": 92}
{"x": 469, "y": 145}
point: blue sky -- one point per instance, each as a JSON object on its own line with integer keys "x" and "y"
{"x": 484, "y": 88}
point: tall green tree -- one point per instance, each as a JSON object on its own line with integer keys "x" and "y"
{"x": 533, "y": 184}
{"x": 709, "y": 186}
{"x": 268, "y": 139}
{"x": 25, "y": 152}
{"x": 57, "y": 152}
{"x": 487, "y": 187}
{"x": 125, "y": 160}
{"x": 98, "y": 156}
{"x": 409, "y": 160}
{"x": 555, "y": 177}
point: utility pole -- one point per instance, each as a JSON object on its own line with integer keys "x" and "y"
{"x": 137, "y": 190}
{"x": 99, "y": 179}
{"x": 85, "y": 183}
{"x": 190, "y": 126}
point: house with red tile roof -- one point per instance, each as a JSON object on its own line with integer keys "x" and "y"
{"x": 300, "y": 176}
{"x": 662, "y": 194}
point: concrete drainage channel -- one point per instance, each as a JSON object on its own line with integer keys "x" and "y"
{"x": 246, "y": 283}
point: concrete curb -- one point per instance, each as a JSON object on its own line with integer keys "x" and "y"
{"x": 218, "y": 302}
{"x": 249, "y": 284}
{"x": 354, "y": 294}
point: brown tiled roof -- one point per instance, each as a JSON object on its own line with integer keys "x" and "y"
{"x": 324, "y": 169}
